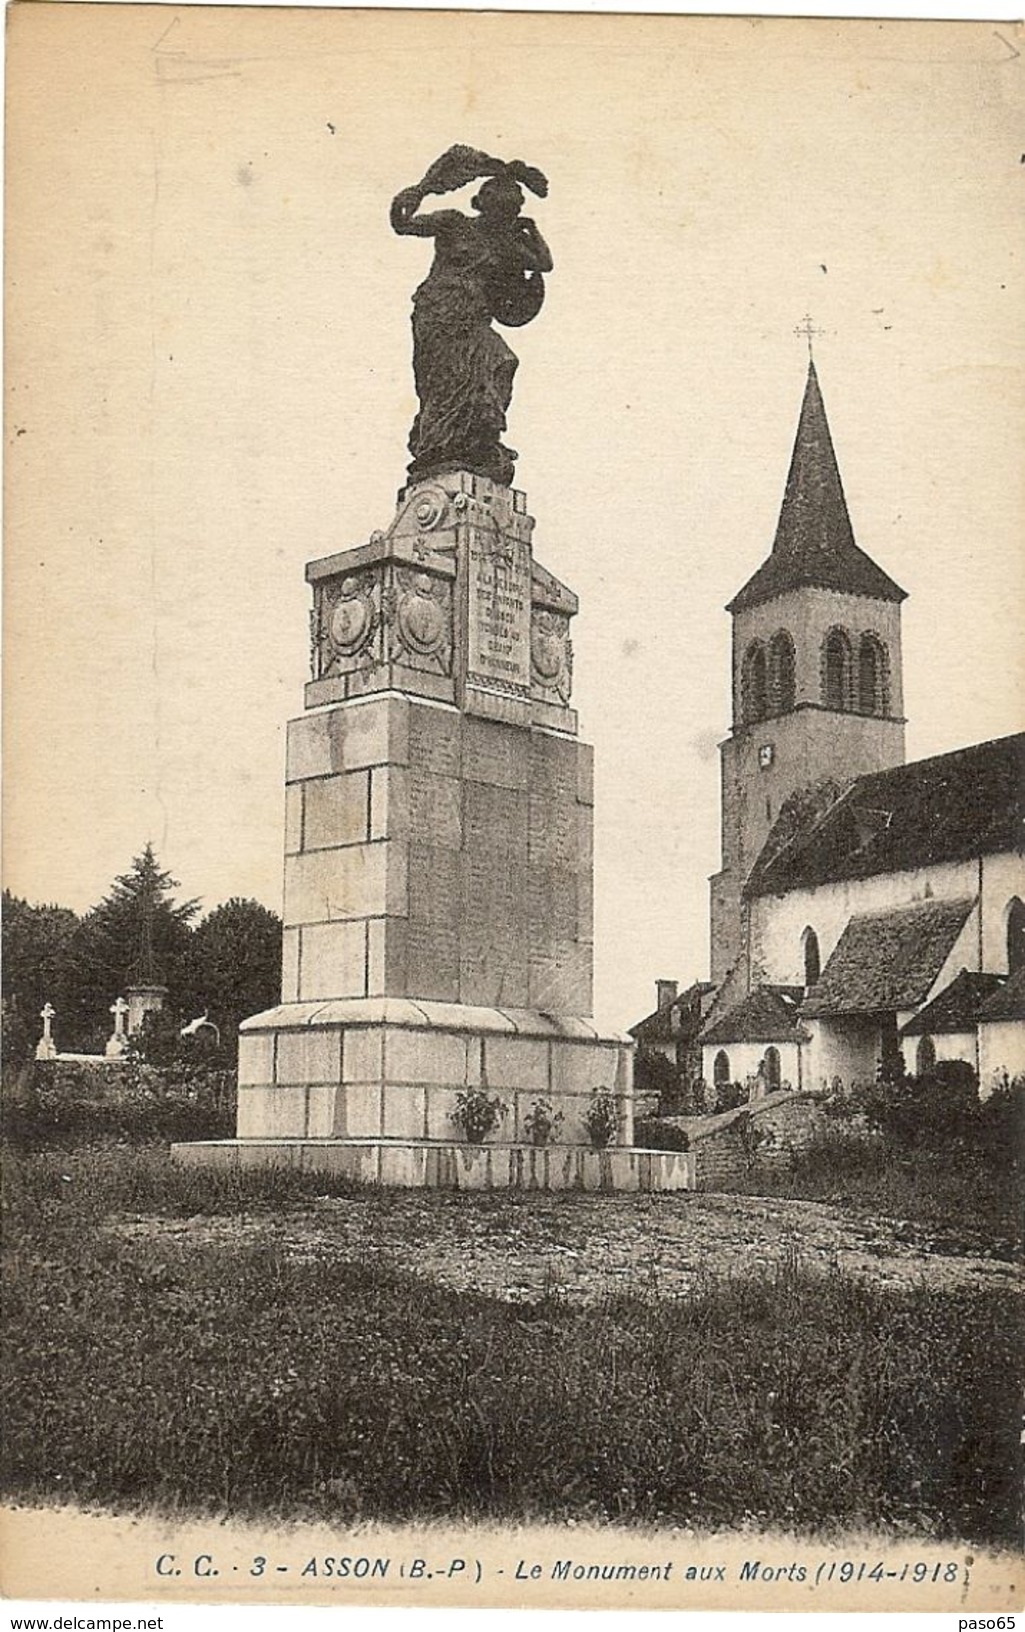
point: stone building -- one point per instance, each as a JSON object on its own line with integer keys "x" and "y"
{"x": 864, "y": 906}
{"x": 672, "y": 1029}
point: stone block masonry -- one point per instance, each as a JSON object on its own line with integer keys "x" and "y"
{"x": 437, "y": 855}
{"x": 394, "y": 1067}
{"x": 438, "y": 916}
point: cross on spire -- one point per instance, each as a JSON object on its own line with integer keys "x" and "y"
{"x": 807, "y": 328}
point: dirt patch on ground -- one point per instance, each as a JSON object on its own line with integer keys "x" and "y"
{"x": 586, "y": 1247}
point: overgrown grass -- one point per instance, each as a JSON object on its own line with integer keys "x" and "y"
{"x": 965, "y": 1196}
{"x": 61, "y": 1194}
{"x": 237, "y": 1379}
{"x": 64, "y": 1103}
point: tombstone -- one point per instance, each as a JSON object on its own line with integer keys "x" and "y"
{"x": 144, "y": 999}
{"x": 46, "y": 1048}
{"x": 117, "y": 1042}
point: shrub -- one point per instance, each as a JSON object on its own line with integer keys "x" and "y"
{"x": 477, "y": 1113}
{"x": 601, "y": 1119}
{"x": 1000, "y": 1129}
{"x": 651, "y": 1133}
{"x": 728, "y": 1095}
{"x": 932, "y": 1110}
{"x": 542, "y": 1122}
{"x": 654, "y": 1074}
{"x": 65, "y": 1101}
{"x": 18, "y": 1040}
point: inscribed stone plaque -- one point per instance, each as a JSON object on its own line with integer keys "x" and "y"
{"x": 435, "y": 808}
{"x": 434, "y": 875}
{"x": 495, "y": 753}
{"x": 553, "y": 832}
{"x": 433, "y": 961}
{"x": 435, "y": 740}
{"x": 495, "y": 823}
{"x": 498, "y": 646}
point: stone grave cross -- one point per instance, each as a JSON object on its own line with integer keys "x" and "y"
{"x": 46, "y": 1048}
{"x": 118, "y": 1042}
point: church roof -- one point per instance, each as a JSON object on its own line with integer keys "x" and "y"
{"x": 957, "y": 1007}
{"x": 814, "y": 543}
{"x": 768, "y": 1014}
{"x": 886, "y": 961}
{"x": 675, "y": 1022}
{"x": 1009, "y": 1002}
{"x": 949, "y": 808}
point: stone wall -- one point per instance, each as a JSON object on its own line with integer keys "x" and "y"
{"x": 727, "y": 1148}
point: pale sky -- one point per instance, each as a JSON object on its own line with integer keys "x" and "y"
{"x": 209, "y": 383}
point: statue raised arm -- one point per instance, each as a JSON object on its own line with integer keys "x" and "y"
{"x": 487, "y": 268}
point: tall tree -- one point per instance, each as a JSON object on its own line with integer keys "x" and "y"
{"x": 235, "y": 964}
{"x": 137, "y": 935}
{"x": 41, "y": 965}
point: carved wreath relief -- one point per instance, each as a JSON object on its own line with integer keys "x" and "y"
{"x": 346, "y": 618}
{"x": 385, "y": 614}
{"x": 551, "y": 655}
{"x": 419, "y": 620}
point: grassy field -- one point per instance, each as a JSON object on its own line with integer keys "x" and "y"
{"x": 974, "y": 1200}
{"x": 236, "y": 1378}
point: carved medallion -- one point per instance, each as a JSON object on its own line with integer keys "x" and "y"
{"x": 429, "y": 509}
{"x": 551, "y": 654}
{"x": 546, "y": 649}
{"x": 345, "y": 622}
{"x": 419, "y": 610}
{"x": 351, "y": 622}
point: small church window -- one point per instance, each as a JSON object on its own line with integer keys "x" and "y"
{"x": 755, "y": 683}
{"x": 872, "y": 697}
{"x": 812, "y": 958}
{"x": 837, "y": 667}
{"x": 772, "y": 1072}
{"x": 925, "y": 1056}
{"x": 1015, "y": 935}
{"x": 721, "y": 1069}
{"x": 782, "y": 671}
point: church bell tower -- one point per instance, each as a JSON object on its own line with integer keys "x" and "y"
{"x": 817, "y": 685}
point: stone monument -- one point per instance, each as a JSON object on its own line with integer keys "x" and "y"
{"x": 117, "y": 1042}
{"x": 438, "y": 820}
{"x": 145, "y": 997}
{"x": 46, "y": 1048}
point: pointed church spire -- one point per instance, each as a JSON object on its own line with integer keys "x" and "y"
{"x": 814, "y": 543}
{"x": 814, "y": 518}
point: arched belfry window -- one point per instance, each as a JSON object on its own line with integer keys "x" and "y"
{"x": 812, "y": 957}
{"x": 755, "y": 700}
{"x": 721, "y": 1069}
{"x": 1015, "y": 935}
{"x": 872, "y": 687}
{"x": 838, "y": 671}
{"x": 782, "y": 672}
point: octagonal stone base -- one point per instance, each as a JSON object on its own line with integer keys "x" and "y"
{"x": 393, "y": 1068}
{"x": 437, "y": 1166}
{"x": 365, "y": 1088}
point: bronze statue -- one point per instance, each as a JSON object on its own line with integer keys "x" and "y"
{"x": 488, "y": 267}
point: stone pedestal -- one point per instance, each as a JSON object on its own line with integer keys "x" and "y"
{"x": 143, "y": 1000}
{"x": 438, "y": 857}
{"x": 361, "y": 1068}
